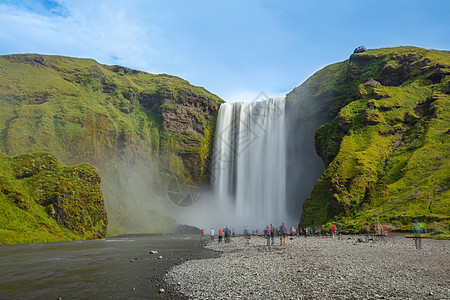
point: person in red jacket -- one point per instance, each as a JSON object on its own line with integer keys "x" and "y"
{"x": 220, "y": 235}
{"x": 333, "y": 231}
{"x": 202, "y": 238}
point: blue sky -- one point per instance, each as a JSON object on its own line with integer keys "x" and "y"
{"x": 235, "y": 49}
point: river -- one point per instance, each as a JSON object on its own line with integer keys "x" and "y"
{"x": 112, "y": 268}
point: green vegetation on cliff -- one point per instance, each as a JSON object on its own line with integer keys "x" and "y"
{"x": 42, "y": 200}
{"x": 139, "y": 130}
{"x": 385, "y": 139}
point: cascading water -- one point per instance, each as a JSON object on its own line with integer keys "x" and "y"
{"x": 249, "y": 163}
{"x": 258, "y": 175}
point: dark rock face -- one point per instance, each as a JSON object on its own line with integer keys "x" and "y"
{"x": 192, "y": 118}
{"x": 373, "y": 83}
{"x": 360, "y": 49}
{"x": 187, "y": 229}
{"x": 343, "y": 123}
{"x": 37, "y": 61}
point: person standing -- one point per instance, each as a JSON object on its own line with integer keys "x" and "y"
{"x": 333, "y": 231}
{"x": 220, "y": 235}
{"x": 272, "y": 234}
{"x": 374, "y": 232}
{"x": 417, "y": 231}
{"x": 227, "y": 233}
{"x": 318, "y": 231}
{"x": 382, "y": 233}
{"x": 202, "y": 238}
{"x": 212, "y": 234}
{"x": 283, "y": 231}
{"x": 267, "y": 235}
{"x": 367, "y": 232}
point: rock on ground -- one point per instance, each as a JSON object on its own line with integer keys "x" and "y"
{"x": 318, "y": 268}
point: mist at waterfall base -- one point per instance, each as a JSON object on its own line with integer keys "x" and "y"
{"x": 252, "y": 158}
{"x": 134, "y": 204}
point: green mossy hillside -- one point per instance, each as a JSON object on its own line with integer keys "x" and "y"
{"x": 42, "y": 200}
{"x": 139, "y": 130}
{"x": 385, "y": 139}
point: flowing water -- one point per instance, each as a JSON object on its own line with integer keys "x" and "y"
{"x": 249, "y": 163}
{"x": 119, "y": 268}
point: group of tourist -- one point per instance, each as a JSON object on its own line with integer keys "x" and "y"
{"x": 376, "y": 232}
{"x": 270, "y": 232}
{"x": 224, "y": 234}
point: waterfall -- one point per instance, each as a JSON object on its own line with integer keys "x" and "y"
{"x": 249, "y": 163}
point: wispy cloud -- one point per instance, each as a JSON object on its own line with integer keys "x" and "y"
{"x": 105, "y": 32}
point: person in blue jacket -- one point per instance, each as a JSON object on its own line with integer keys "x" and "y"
{"x": 417, "y": 231}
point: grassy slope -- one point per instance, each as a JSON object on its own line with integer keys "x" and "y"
{"x": 111, "y": 117}
{"x": 42, "y": 200}
{"x": 386, "y": 146}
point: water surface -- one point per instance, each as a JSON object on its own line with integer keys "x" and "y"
{"x": 112, "y": 268}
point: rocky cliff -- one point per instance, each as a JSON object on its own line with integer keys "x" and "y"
{"x": 42, "y": 200}
{"x": 384, "y": 139}
{"x": 141, "y": 131}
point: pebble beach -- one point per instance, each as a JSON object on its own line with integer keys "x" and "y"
{"x": 317, "y": 268}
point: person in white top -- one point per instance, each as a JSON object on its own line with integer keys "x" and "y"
{"x": 212, "y": 234}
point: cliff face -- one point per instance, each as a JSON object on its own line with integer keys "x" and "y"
{"x": 42, "y": 200}
{"x": 139, "y": 130}
{"x": 384, "y": 139}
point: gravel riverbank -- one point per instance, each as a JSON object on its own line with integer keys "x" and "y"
{"x": 317, "y": 268}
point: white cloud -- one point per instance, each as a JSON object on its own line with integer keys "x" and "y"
{"x": 107, "y": 33}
